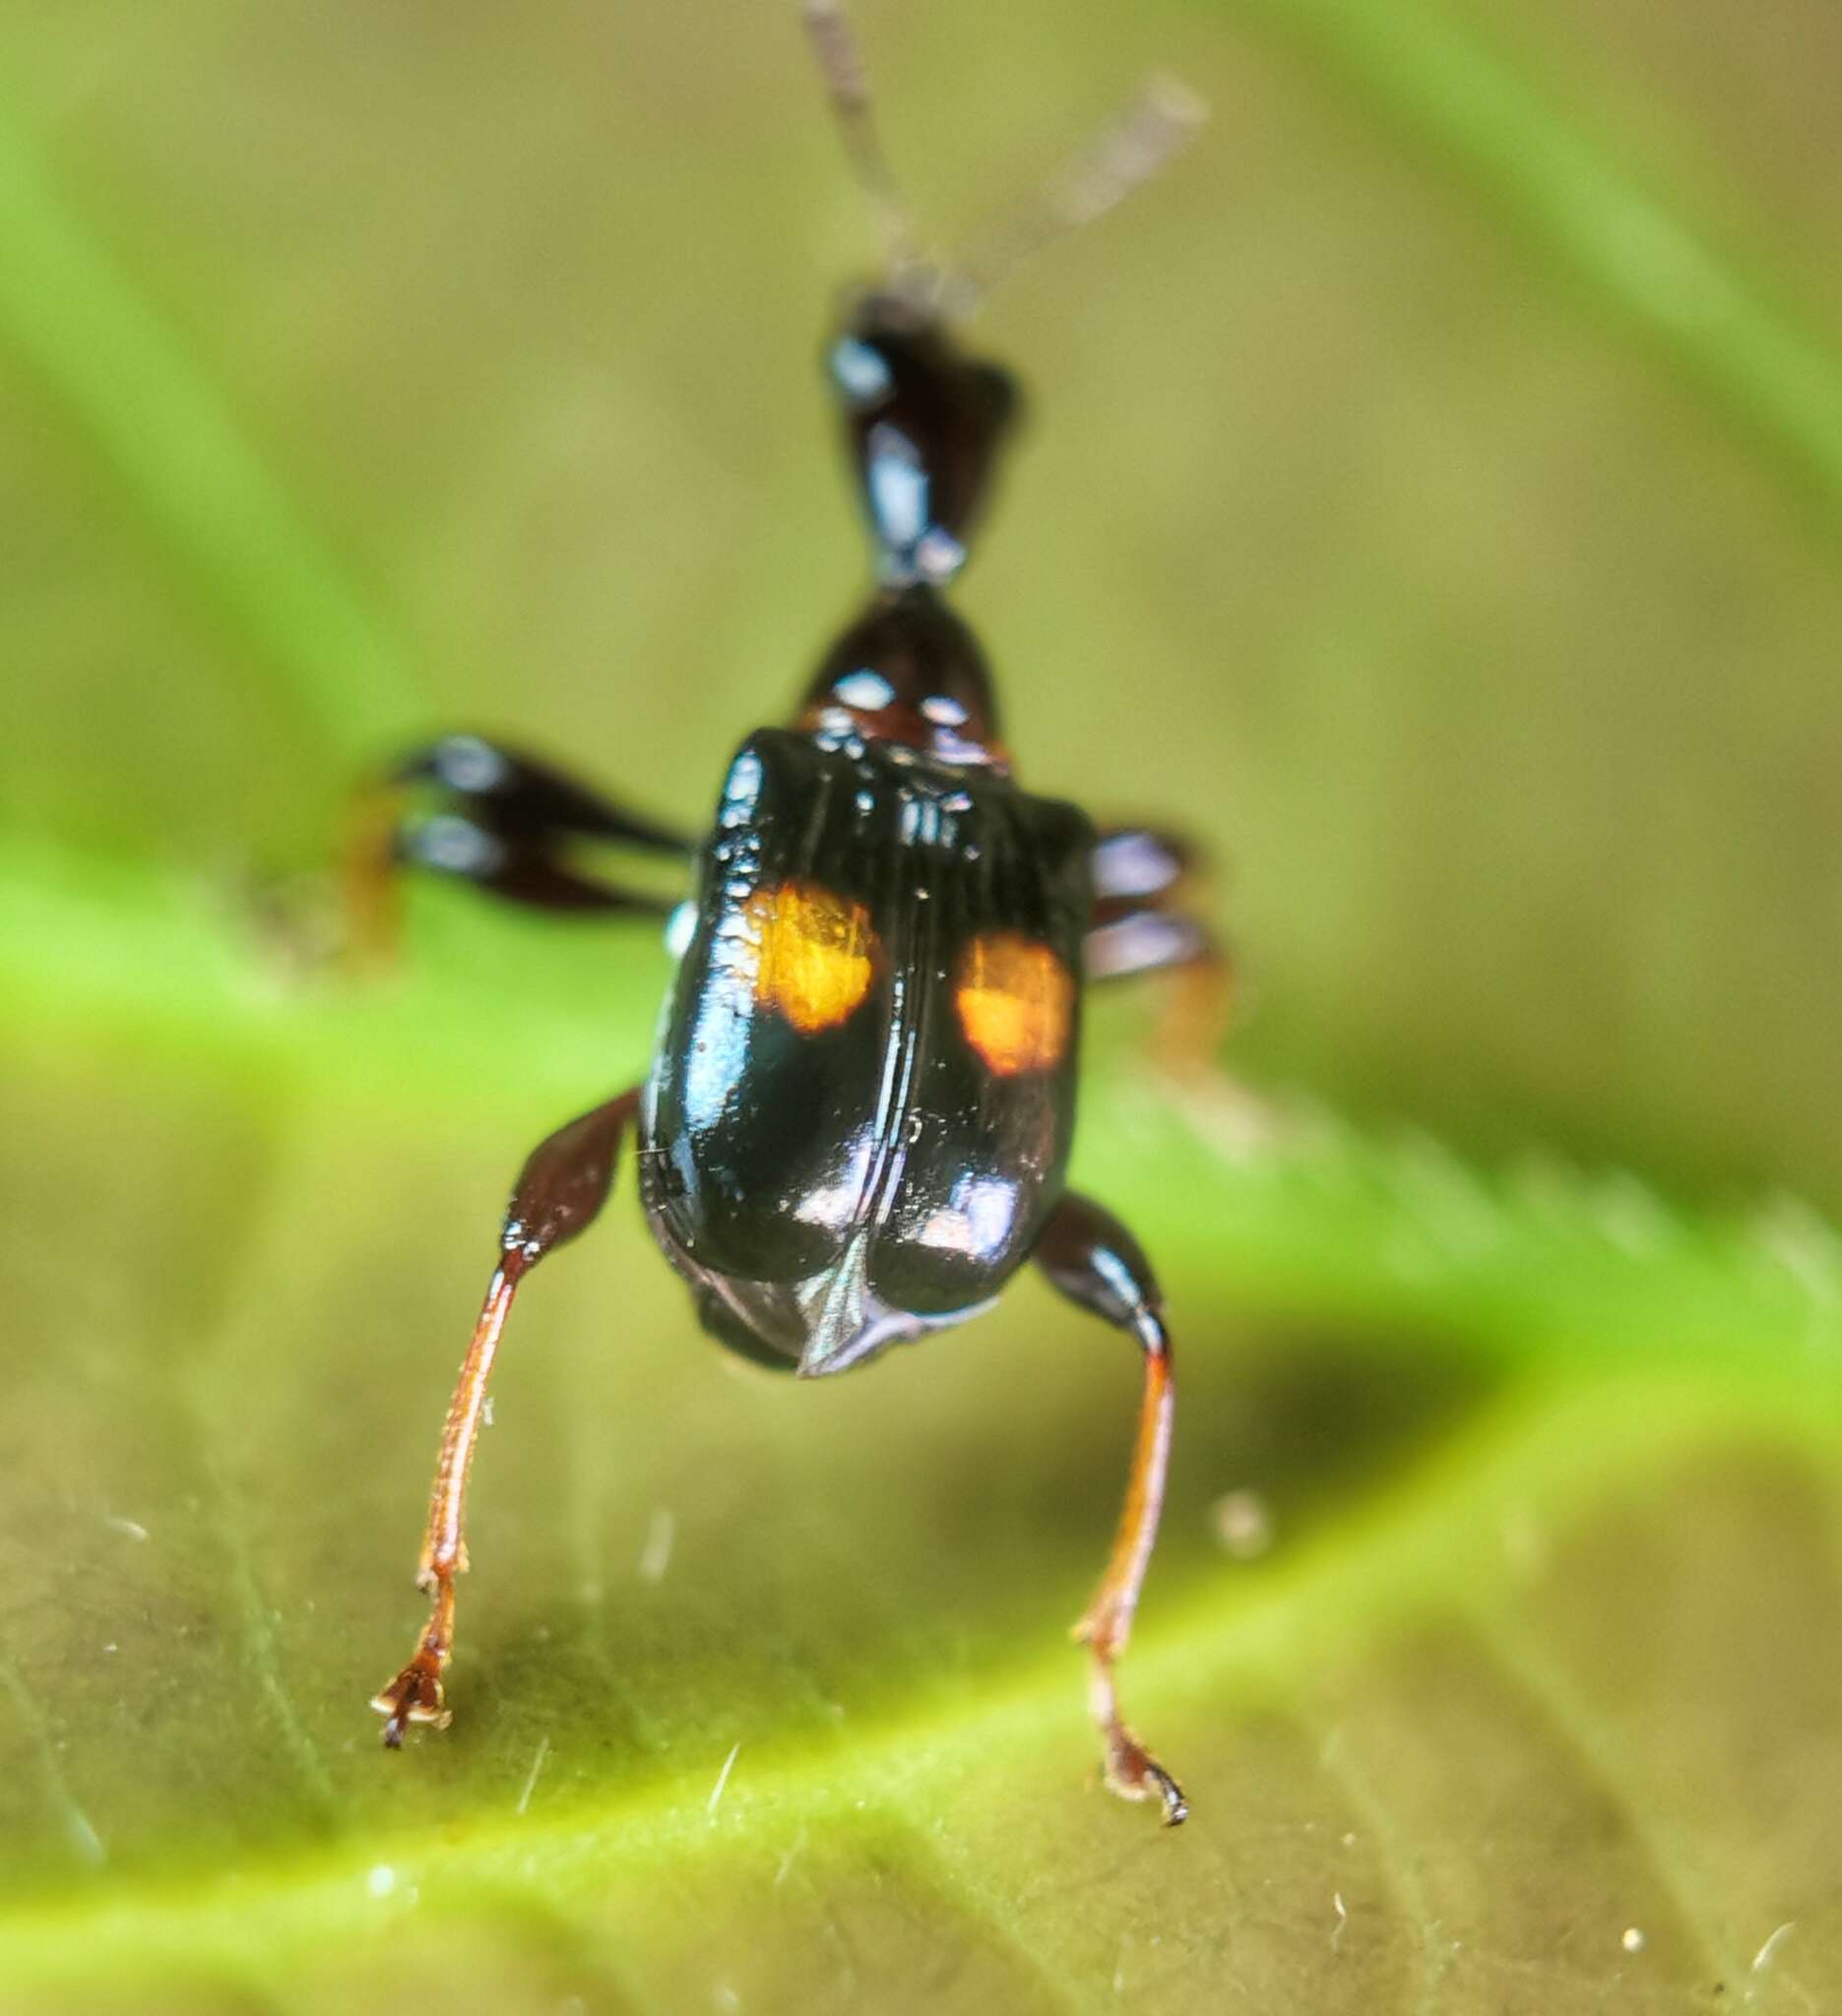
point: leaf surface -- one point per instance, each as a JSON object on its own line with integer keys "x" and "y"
{"x": 1434, "y": 504}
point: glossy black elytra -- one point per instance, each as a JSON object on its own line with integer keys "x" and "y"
{"x": 856, "y": 1125}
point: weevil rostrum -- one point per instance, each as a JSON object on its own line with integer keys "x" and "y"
{"x": 858, "y": 1122}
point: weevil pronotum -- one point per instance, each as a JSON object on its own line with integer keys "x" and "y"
{"x": 856, "y": 1125}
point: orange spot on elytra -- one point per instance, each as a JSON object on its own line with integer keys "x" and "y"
{"x": 815, "y": 953}
{"x": 1016, "y": 1003}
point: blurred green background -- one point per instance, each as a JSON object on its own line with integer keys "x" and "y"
{"x": 1432, "y": 498}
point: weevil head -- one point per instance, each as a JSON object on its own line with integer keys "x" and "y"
{"x": 924, "y": 422}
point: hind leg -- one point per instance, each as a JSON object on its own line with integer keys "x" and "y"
{"x": 559, "y": 1193}
{"x": 1091, "y": 1257}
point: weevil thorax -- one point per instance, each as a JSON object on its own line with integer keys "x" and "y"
{"x": 907, "y": 671}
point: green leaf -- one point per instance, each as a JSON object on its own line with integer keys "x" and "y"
{"x": 1531, "y": 1697}
{"x": 1421, "y": 509}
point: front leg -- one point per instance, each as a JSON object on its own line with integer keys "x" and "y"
{"x": 559, "y": 1192}
{"x": 502, "y": 821}
{"x": 1091, "y": 1257}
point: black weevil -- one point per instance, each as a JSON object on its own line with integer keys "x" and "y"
{"x": 858, "y": 1122}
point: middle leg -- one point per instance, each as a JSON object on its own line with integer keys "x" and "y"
{"x": 1144, "y": 883}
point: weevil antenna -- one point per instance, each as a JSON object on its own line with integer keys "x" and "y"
{"x": 847, "y": 87}
{"x": 1138, "y": 141}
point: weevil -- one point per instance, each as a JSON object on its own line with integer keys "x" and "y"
{"x": 856, "y": 1125}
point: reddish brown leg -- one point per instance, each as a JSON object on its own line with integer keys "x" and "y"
{"x": 503, "y": 821}
{"x": 558, "y": 1193}
{"x": 1145, "y": 884}
{"x": 1096, "y": 1262}
{"x": 1198, "y": 980}
{"x": 368, "y": 894}
{"x": 1140, "y": 864}
{"x": 1198, "y": 1008}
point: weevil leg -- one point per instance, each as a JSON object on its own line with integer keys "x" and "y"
{"x": 1147, "y": 884}
{"x": 1198, "y": 1004}
{"x": 503, "y": 821}
{"x": 1142, "y": 863}
{"x": 559, "y": 1192}
{"x": 1091, "y": 1257}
